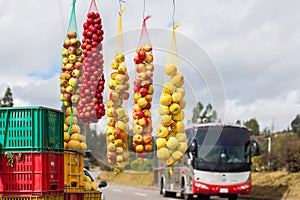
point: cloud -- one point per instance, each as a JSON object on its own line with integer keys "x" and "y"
{"x": 276, "y": 113}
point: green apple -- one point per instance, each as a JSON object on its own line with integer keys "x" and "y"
{"x": 120, "y": 112}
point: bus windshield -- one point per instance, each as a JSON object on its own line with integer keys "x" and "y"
{"x": 222, "y": 149}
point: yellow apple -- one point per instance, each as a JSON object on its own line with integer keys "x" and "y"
{"x": 176, "y": 97}
{"x": 172, "y": 143}
{"x": 165, "y": 99}
{"x": 182, "y": 103}
{"x": 181, "y": 137}
{"x": 164, "y": 110}
{"x": 162, "y": 131}
{"x": 170, "y": 69}
{"x": 178, "y": 117}
{"x": 175, "y": 108}
{"x": 161, "y": 142}
{"x": 177, "y": 126}
{"x": 178, "y": 79}
{"x": 169, "y": 88}
{"x": 181, "y": 90}
{"x": 163, "y": 153}
{"x": 165, "y": 120}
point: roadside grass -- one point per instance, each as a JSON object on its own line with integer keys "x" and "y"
{"x": 265, "y": 185}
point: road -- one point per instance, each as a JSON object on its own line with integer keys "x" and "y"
{"x": 117, "y": 192}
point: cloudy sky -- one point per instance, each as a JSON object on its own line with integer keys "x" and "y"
{"x": 254, "y": 47}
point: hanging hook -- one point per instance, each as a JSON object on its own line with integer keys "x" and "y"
{"x": 120, "y": 4}
{"x": 173, "y": 16}
{"x": 144, "y": 9}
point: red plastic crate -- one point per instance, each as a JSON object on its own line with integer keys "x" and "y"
{"x": 74, "y": 196}
{"x": 32, "y": 174}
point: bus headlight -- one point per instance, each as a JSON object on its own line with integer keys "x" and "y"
{"x": 199, "y": 185}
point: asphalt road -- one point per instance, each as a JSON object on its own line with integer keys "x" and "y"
{"x": 122, "y": 192}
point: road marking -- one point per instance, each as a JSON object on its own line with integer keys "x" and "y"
{"x": 117, "y": 190}
{"x": 140, "y": 194}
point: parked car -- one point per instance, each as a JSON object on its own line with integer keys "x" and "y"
{"x": 101, "y": 184}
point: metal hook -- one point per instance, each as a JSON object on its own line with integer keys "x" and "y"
{"x": 173, "y": 16}
{"x": 121, "y": 1}
{"x": 144, "y": 9}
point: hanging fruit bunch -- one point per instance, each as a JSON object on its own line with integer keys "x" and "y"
{"x": 117, "y": 117}
{"x": 143, "y": 91}
{"x": 171, "y": 138}
{"x": 91, "y": 107}
{"x": 70, "y": 78}
{"x": 70, "y": 75}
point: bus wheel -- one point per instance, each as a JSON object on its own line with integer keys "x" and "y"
{"x": 183, "y": 193}
{"x": 233, "y": 197}
{"x": 164, "y": 192}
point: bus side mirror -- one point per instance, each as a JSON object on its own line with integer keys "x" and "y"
{"x": 193, "y": 147}
{"x": 255, "y": 145}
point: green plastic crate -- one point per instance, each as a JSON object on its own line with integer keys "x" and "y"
{"x": 31, "y": 129}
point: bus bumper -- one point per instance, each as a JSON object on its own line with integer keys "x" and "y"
{"x": 203, "y": 188}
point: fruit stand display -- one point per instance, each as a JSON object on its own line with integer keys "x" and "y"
{"x": 31, "y": 158}
{"x": 143, "y": 91}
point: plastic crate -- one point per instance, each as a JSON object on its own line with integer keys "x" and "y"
{"x": 74, "y": 196}
{"x": 54, "y": 197}
{"x": 32, "y": 174}
{"x": 31, "y": 129}
{"x": 73, "y": 163}
{"x": 92, "y": 195}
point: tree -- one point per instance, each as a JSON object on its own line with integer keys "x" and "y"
{"x": 209, "y": 114}
{"x": 252, "y": 124}
{"x": 296, "y": 125}
{"x": 7, "y": 100}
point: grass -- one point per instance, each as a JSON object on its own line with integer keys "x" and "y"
{"x": 265, "y": 185}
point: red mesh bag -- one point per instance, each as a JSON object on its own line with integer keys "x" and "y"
{"x": 91, "y": 107}
{"x": 143, "y": 91}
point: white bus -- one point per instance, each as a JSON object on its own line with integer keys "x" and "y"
{"x": 217, "y": 163}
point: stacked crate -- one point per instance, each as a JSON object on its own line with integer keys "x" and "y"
{"x": 73, "y": 178}
{"x": 31, "y": 153}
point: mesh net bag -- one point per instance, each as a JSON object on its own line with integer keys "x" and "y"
{"x": 69, "y": 85}
{"x": 143, "y": 91}
{"x": 171, "y": 139}
{"x": 117, "y": 115}
{"x": 91, "y": 107}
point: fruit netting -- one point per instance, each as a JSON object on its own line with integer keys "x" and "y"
{"x": 171, "y": 138}
{"x": 117, "y": 115}
{"x": 143, "y": 91}
{"x": 69, "y": 85}
{"x": 91, "y": 107}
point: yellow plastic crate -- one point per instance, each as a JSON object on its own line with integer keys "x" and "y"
{"x": 92, "y": 195}
{"x": 73, "y": 170}
{"x": 54, "y": 197}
